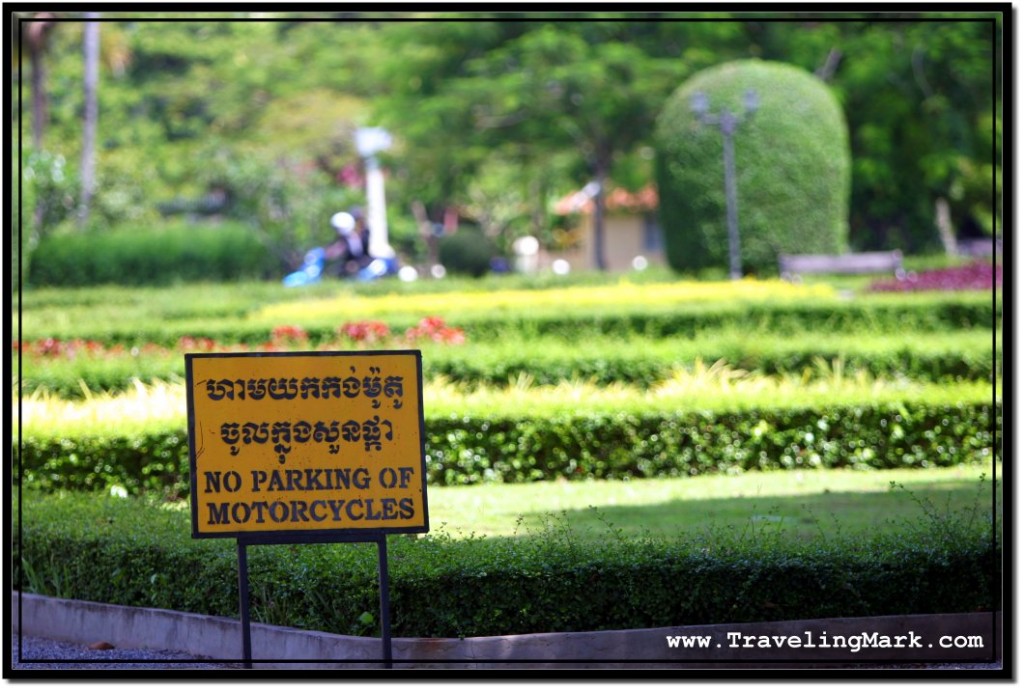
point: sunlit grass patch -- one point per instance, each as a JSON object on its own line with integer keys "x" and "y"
{"x": 795, "y": 506}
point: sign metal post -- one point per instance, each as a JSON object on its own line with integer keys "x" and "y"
{"x": 385, "y": 598}
{"x": 243, "y": 603}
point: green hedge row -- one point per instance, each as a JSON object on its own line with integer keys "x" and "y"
{"x": 69, "y": 378}
{"x": 876, "y": 314}
{"x": 124, "y": 552}
{"x": 160, "y": 256}
{"x": 467, "y": 450}
{"x": 861, "y": 315}
{"x": 464, "y": 450}
{"x": 947, "y": 357}
{"x": 647, "y": 363}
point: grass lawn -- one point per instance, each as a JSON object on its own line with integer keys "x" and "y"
{"x": 788, "y": 505}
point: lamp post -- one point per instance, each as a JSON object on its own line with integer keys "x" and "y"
{"x": 369, "y": 142}
{"x": 727, "y": 122}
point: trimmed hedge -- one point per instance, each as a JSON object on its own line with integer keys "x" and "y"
{"x": 644, "y": 363}
{"x": 124, "y": 552}
{"x": 882, "y": 313}
{"x": 782, "y": 319}
{"x": 160, "y": 256}
{"x": 148, "y": 462}
{"x": 464, "y": 450}
{"x": 792, "y": 168}
{"x": 946, "y": 357}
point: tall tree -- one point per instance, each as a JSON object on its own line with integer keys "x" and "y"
{"x": 592, "y": 87}
{"x": 415, "y": 66}
{"x": 36, "y": 34}
{"x": 91, "y": 58}
{"x": 596, "y": 98}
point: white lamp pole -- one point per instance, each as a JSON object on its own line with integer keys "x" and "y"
{"x": 369, "y": 142}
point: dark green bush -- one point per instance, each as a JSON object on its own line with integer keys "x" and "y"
{"x": 792, "y": 169}
{"x": 126, "y": 552}
{"x": 469, "y": 450}
{"x": 467, "y": 252}
{"x": 464, "y": 450}
{"x": 153, "y": 463}
{"x": 148, "y": 256}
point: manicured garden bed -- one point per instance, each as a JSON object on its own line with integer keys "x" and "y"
{"x": 126, "y": 552}
{"x": 530, "y": 434}
{"x": 589, "y": 382}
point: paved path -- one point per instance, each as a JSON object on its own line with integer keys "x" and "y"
{"x": 62, "y": 655}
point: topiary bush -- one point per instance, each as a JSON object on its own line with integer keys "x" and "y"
{"x": 467, "y": 252}
{"x": 792, "y": 169}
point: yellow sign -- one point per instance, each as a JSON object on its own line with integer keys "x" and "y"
{"x": 312, "y": 441}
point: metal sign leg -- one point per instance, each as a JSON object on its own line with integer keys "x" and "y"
{"x": 243, "y": 604}
{"x": 385, "y": 599}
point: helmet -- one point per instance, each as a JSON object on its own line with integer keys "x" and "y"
{"x": 343, "y": 222}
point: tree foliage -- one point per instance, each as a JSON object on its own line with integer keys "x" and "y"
{"x": 922, "y": 94}
{"x": 545, "y": 100}
{"x": 528, "y": 89}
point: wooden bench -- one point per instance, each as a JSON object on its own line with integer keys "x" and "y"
{"x": 791, "y": 266}
{"x": 980, "y": 247}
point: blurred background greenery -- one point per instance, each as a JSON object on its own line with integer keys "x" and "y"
{"x": 247, "y": 120}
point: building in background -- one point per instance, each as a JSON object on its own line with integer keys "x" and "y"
{"x": 633, "y": 238}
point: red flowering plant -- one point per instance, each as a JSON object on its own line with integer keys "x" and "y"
{"x": 283, "y": 337}
{"x": 435, "y": 329}
{"x": 974, "y": 276}
{"x": 192, "y": 344}
{"x": 73, "y": 348}
{"x": 53, "y": 347}
{"x": 364, "y": 331}
{"x": 288, "y": 335}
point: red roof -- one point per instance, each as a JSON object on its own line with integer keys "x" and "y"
{"x": 618, "y": 199}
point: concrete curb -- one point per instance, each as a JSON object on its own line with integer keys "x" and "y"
{"x": 787, "y": 644}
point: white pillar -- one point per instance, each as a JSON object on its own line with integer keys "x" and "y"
{"x": 370, "y": 141}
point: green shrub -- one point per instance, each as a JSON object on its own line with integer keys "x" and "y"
{"x": 963, "y": 355}
{"x": 874, "y": 314}
{"x": 72, "y": 378}
{"x": 641, "y": 362}
{"x": 792, "y": 169}
{"x": 149, "y": 256}
{"x": 129, "y": 553}
{"x": 469, "y": 449}
{"x": 935, "y": 313}
{"x": 146, "y": 462}
{"x": 467, "y": 252}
